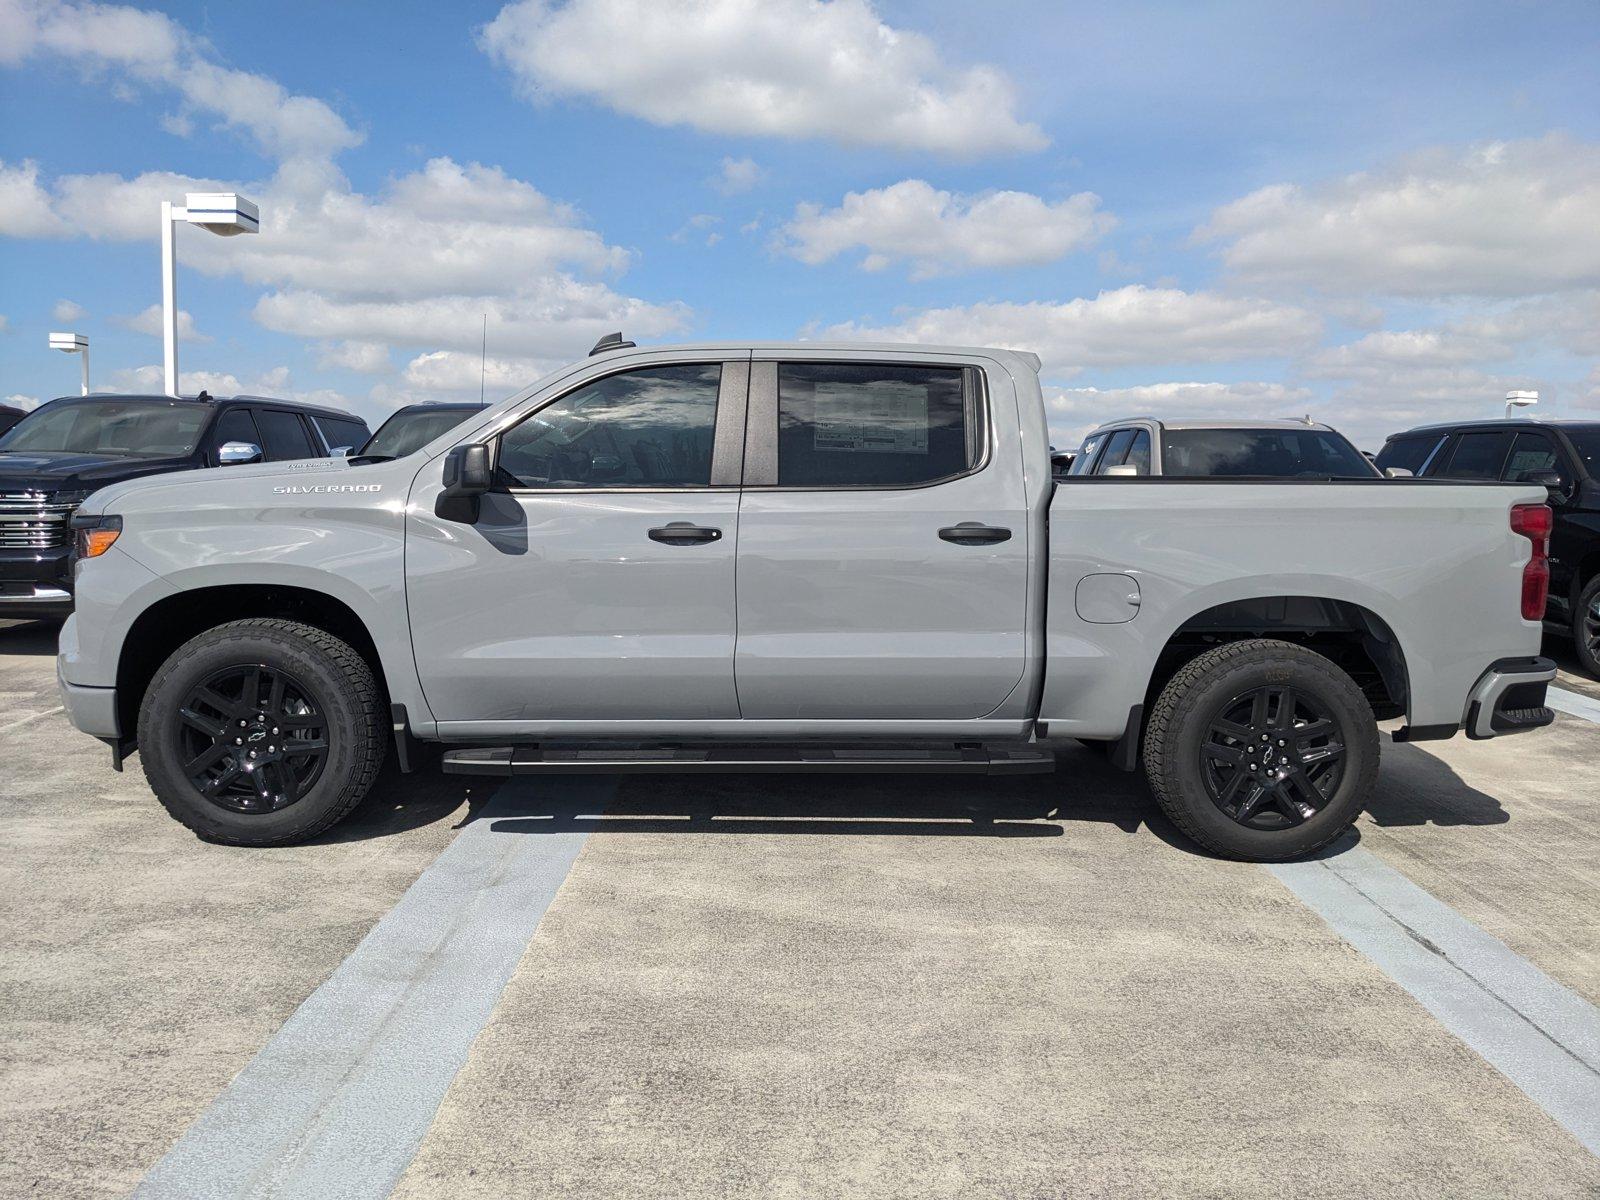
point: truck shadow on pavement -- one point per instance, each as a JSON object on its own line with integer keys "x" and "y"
{"x": 29, "y": 637}
{"x": 1416, "y": 788}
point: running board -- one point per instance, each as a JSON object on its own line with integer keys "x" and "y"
{"x": 551, "y": 760}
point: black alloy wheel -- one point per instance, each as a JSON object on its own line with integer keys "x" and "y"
{"x": 1586, "y": 627}
{"x": 252, "y": 738}
{"x": 1272, "y": 757}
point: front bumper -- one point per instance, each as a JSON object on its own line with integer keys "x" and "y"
{"x": 36, "y": 583}
{"x": 1509, "y": 698}
{"x": 91, "y": 709}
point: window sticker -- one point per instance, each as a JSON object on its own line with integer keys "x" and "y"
{"x": 885, "y": 417}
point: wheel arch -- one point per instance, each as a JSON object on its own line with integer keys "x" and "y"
{"x": 171, "y": 621}
{"x": 1352, "y": 635}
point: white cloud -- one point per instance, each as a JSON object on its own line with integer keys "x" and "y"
{"x": 369, "y": 358}
{"x": 5, "y": 322}
{"x": 149, "y": 48}
{"x": 784, "y": 68}
{"x": 148, "y": 322}
{"x": 25, "y": 209}
{"x": 25, "y": 403}
{"x": 68, "y": 311}
{"x": 1131, "y": 325}
{"x": 737, "y": 175}
{"x": 458, "y": 374}
{"x": 559, "y": 317}
{"x": 274, "y": 381}
{"x": 1072, "y": 412}
{"x": 1498, "y": 219}
{"x": 938, "y": 232}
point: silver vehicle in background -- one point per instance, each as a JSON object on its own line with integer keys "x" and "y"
{"x": 1204, "y": 449}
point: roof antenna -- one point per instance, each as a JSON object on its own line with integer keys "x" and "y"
{"x": 611, "y": 341}
{"x": 483, "y": 358}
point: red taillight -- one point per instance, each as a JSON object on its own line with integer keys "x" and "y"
{"x": 1534, "y": 522}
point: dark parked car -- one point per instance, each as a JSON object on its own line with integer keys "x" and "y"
{"x": 1564, "y": 455}
{"x": 414, "y": 426}
{"x": 53, "y": 458}
{"x": 9, "y": 416}
{"x": 1205, "y": 449}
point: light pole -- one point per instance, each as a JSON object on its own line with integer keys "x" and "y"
{"x": 223, "y": 213}
{"x": 73, "y": 343}
{"x": 1515, "y": 400}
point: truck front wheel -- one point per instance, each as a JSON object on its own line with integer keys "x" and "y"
{"x": 1261, "y": 750}
{"x": 1586, "y": 627}
{"x": 262, "y": 732}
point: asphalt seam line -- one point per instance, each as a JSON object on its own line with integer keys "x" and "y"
{"x": 49, "y": 712}
{"x": 1539, "y": 1034}
{"x": 336, "y": 1103}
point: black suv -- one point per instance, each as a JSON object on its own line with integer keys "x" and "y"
{"x": 9, "y": 416}
{"x": 1563, "y": 455}
{"x": 411, "y": 428}
{"x": 56, "y": 455}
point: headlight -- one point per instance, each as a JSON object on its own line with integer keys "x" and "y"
{"x": 93, "y": 536}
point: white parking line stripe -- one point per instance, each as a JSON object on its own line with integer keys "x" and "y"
{"x": 49, "y": 712}
{"x": 338, "y": 1100}
{"x": 1574, "y": 704}
{"x": 1535, "y": 1032}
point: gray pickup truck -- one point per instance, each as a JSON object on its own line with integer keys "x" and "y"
{"x": 792, "y": 557}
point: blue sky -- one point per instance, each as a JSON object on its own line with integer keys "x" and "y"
{"x": 1378, "y": 214}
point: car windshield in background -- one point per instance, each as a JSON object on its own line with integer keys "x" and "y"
{"x": 1277, "y": 453}
{"x": 405, "y": 433}
{"x": 1586, "y": 441}
{"x": 119, "y": 428}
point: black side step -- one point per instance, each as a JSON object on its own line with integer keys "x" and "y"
{"x": 554, "y": 760}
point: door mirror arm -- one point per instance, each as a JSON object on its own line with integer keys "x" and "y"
{"x": 467, "y": 476}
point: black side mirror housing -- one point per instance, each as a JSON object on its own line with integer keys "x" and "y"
{"x": 1549, "y": 480}
{"x": 467, "y": 476}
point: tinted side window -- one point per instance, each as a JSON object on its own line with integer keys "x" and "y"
{"x": 339, "y": 431}
{"x": 874, "y": 425}
{"x": 1408, "y": 453}
{"x": 1532, "y": 452}
{"x": 235, "y": 425}
{"x": 644, "y": 429}
{"x": 1085, "y": 459}
{"x": 1478, "y": 456}
{"x": 283, "y": 436}
{"x": 1139, "y": 453}
{"x": 1120, "y": 441}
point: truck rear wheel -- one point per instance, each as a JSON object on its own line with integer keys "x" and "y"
{"x": 262, "y": 732}
{"x": 1261, "y": 750}
{"x": 1586, "y": 627}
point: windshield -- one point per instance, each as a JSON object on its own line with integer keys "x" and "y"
{"x": 406, "y": 432}
{"x": 1586, "y": 441}
{"x": 121, "y": 428}
{"x": 1277, "y": 453}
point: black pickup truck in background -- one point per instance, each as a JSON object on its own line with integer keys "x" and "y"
{"x": 9, "y": 416}
{"x": 55, "y": 456}
{"x": 1562, "y": 455}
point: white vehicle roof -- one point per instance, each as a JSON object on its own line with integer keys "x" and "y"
{"x": 1026, "y": 358}
{"x": 1215, "y": 423}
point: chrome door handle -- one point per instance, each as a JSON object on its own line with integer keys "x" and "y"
{"x": 682, "y": 533}
{"x": 974, "y": 533}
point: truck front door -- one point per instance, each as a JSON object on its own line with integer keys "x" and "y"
{"x": 597, "y": 583}
{"x": 883, "y": 541}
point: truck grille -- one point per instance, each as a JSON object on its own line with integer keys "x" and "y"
{"x": 32, "y": 521}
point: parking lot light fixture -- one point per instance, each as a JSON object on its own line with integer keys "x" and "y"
{"x": 1516, "y": 400}
{"x": 223, "y": 213}
{"x": 74, "y": 343}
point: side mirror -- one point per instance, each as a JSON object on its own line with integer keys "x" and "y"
{"x": 1121, "y": 470}
{"x": 341, "y": 451}
{"x": 1399, "y": 473}
{"x": 605, "y": 467}
{"x": 466, "y": 477}
{"x": 233, "y": 454}
{"x": 1551, "y": 481}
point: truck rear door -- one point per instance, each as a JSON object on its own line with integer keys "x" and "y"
{"x": 883, "y": 540}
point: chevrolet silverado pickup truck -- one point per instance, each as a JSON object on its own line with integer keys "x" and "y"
{"x": 793, "y": 557}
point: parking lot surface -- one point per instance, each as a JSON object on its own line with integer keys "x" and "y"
{"x": 759, "y": 985}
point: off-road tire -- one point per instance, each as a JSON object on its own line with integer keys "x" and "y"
{"x": 352, "y": 702}
{"x": 1585, "y": 624}
{"x": 1178, "y": 725}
